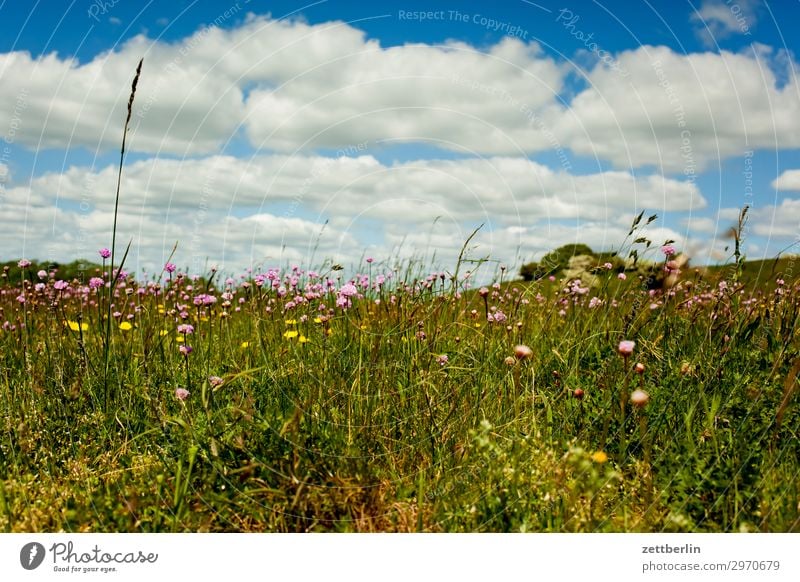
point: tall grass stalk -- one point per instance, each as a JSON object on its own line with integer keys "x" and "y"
{"x": 113, "y": 277}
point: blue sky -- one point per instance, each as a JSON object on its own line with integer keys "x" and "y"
{"x": 263, "y": 130}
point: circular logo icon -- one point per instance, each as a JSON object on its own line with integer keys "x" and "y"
{"x": 31, "y": 555}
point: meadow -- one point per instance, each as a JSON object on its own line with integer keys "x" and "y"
{"x": 635, "y": 397}
{"x": 397, "y": 399}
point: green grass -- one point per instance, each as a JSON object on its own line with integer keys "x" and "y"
{"x": 361, "y": 428}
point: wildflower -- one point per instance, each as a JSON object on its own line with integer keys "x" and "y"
{"x": 599, "y": 457}
{"x": 215, "y": 381}
{"x": 522, "y": 352}
{"x": 60, "y": 285}
{"x": 95, "y": 282}
{"x": 668, "y": 250}
{"x": 42, "y": 274}
{"x": 125, "y": 326}
{"x": 303, "y": 339}
{"x": 186, "y": 329}
{"x": 622, "y": 276}
{"x": 104, "y": 253}
{"x": 509, "y": 361}
{"x": 626, "y": 347}
{"x": 640, "y": 398}
{"x": 348, "y": 290}
{"x": 169, "y": 267}
{"x": 608, "y": 266}
{"x": 185, "y": 350}
{"x": 182, "y": 394}
{"x": 75, "y": 326}
{"x": 163, "y": 332}
{"x": 290, "y": 334}
{"x": 23, "y": 263}
{"x": 245, "y": 345}
{"x": 370, "y": 259}
{"x": 442, "y": 360}
{"x": 577, "y": 393}
{"x": 639, "y": 368}
{"x": 483, "y": 291}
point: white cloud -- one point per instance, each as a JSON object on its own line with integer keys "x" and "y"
{"x": 781, "y": 221}
{"x": 788, "y": 180}
{"x": 290, "y": 86}
{"x": 718, "y": 19}
{"x": 681, "y": 113}
{"x": 500, "y": 189}
{"x": 700, "y": 225}
{"x": 276, "y": 206}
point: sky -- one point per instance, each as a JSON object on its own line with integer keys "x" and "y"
{"x": 269, "y": 133}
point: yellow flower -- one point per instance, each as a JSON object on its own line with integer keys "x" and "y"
{"x": 363, "y": 327}
{"x": 291, "y": 322}
{"x": 125, "y": 326}
{"x": 75, "y": 326}
{"x": 477, "y": 325}
{"x": 203, "y": 318}
{"x": 163, "y": 332}
{"x": 317, "y": 320}
{"x": 599, "y": 457}
{"x": 245, "y": 345}
{"x": 289, "y": 334}
{"x": 179, "y": 339}
{"x": 303, "y": 339}
{"x": 161, "y": 309}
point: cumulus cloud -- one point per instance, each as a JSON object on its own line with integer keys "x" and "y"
{"x": 779, "y": 221}
{"x": 788, "y": 180}
{"x": 271, "y": 205}
{"x": 682, "y": 113}
{"x": 719, "y": 19}
{"x": 501, "y": 189}
{"x": 700, "y": 225}
{"x": 291, "y": 86}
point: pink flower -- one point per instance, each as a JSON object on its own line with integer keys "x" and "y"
{"x": 626, "y": 347}
{"x": 169, "y": 268}
{"x": 105, "y": 253}
{"x": 185, "y": 350}
{"x": 370, "y": 259}
{"x": 640, "y": 398}
{"x": 95, "y": 282}
{"x": 24, "y": 263}
{"x": 348, "y": 290}
{"x": 182, "y": 393}
{"x": 668, "y": 250}
{"x": 622, "y": 276}
{"x": 639, "y": 368}
{"x": 215, "y": 381}
{"x": 442, "y": 360}
{"x": 522, "y": 352}
{"x": 186, "y": 328}
{"x": 42, "y": 274}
